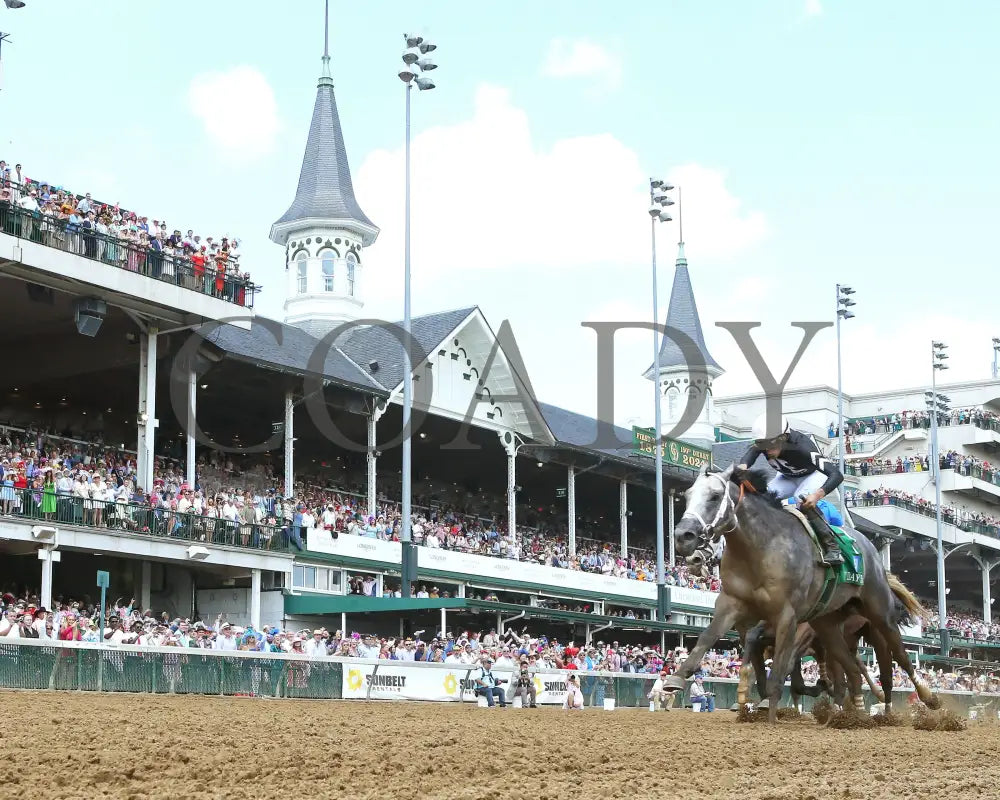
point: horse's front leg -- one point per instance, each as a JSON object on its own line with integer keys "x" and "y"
{"x": 728, "y": 611}
{"x": 781, "y": 664}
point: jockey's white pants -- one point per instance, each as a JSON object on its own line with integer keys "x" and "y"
{"x": 784, "y": 487}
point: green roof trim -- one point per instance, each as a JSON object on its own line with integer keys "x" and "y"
{"x": 325, "y": 604}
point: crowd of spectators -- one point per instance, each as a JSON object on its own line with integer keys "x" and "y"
{"x": 21, "y": 617}
{"x": 963, "y": 518}
{"x": 72, "y": 481}
{"x": 907, "y": 420}
{"x": 963, "y": 463}
{"x": 58, "y": 217}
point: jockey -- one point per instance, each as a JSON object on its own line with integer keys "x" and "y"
{"x": 801, "y": 469}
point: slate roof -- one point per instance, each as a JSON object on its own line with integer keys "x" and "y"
{"x": 325, "y": 189}
{"x": 579, "y": 430}
{"x": 682, "y": 315}
{"x": 375, "y": 343}
{"x": 292, "y": 352}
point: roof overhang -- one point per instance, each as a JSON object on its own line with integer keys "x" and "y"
{"x": 282, "y": 231}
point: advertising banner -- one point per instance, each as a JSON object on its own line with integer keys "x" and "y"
{"x": 439, "y": 684}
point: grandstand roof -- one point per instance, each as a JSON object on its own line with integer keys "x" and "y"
{"x": 682, "y": 314}
{"x": 325, "y": 190}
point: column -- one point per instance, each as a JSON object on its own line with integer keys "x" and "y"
{"x": 255, "y": 599}
{"x": 571, "y": 508}
{"x": 672, "y": 557}
{"x": 147, "y": 409}
{"x": 444, "y": 621}
{"x": 343, "y": 624}
{"x": 623, "y": 516}
{"x": 510, "y": 447}
{"x": 373, "y": 418}
{"x": 145, "y": 588}
{"x": 289, "y": 446}
{"x": 191, "y": 423}
{"x": 48, "y": 556}
{"x": 986, "y": 567}
{"x": 987, "y": 599}
{"x": 885, "y": 553}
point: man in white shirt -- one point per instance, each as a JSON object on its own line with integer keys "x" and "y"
{"x": 225, "y": 640}
{"x": 316, "y": 647}
{"x": 659, "y": 695}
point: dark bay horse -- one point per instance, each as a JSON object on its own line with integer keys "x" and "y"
{"x": 770, "y": 573}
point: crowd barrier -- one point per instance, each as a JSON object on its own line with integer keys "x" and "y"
{"x": 85, "y": 667}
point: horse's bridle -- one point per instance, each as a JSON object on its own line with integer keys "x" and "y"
{"x": 726, "y": 504}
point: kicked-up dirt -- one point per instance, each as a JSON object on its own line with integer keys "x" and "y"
{"x": 67, "y": 746}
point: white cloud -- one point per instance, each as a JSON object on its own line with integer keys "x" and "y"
{"x": 582, "y": 58}
{"x": 547, "y": 237}
{"x": 238, "y": 111}
{"x": 813, "y": 8}
{"x": 486, "y": 198}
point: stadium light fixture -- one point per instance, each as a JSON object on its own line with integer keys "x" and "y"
{"x": 659, "y": 199}
{"x": 416, "y": 64}
{"x": 937, "y": 363}
{"x": 843, "y": 304}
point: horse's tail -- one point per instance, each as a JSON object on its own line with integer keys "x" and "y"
{"x": 908, "y": 607}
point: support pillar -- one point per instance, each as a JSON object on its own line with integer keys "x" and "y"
{"x": 289, "y": 445}
{"x": 146, "y": 586}
{"x": 885, "y": 553}
{"x": 986, "y": 567}
{"x": 623, "y": 516}
{"x": 255, "y": 599}
{"x": 147, "y": 421}
{"x": 571, "y": 508}
{"x": 444, "y": 621}
{"x": 343, "y": 624}
{"x": 191, "y": 423}
{"x": 510, "y": 445}
{"x": 670, "y": 531}
{"x": 373, "y": 419}
{"x": 48, "y": 556}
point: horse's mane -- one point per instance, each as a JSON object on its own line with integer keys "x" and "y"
{"x": 754, "y": 483}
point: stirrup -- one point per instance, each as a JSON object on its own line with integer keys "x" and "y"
{"x": 833, "y": 558}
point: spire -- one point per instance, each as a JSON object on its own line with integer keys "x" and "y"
{"x": 682, "y": 314}
{"x": 325, "y": 190}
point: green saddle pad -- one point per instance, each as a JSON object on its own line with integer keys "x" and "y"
{"x": 852, "y": 571}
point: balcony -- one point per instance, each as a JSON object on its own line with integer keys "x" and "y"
{"x": 130, "y": 528}
{"x": 43, "y": 250}
{"x": 976, "y": 482}
{"x": 920, "y": 518}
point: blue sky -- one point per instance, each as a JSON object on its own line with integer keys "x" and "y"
{"x": 814, "y": 141}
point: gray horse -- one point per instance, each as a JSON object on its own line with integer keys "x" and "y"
{"x": 770, "y": 573}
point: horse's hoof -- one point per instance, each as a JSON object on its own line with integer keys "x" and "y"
{"x": 673, "y": 683}
{"x": 764, "y": 704}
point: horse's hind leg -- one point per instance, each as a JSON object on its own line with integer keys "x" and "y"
{"x": 884, "y": 659}
{"x": 895, "y": 642}
{"x": 833, "y": 639}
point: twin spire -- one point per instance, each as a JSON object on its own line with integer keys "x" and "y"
{"x": 325, "y": 191}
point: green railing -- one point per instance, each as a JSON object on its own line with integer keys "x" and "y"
{"x": 140, "y": 520}
{"x": 76, "y": 666}
{"x": 125, "y": 254}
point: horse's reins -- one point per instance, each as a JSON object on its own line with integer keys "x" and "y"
{"x": 725, "y": 505}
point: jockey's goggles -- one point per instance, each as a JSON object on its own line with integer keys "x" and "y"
{"x": 770, "y": 444}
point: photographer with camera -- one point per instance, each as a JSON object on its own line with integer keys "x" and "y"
{"x": 524, "y": 687}
{"x": 488, "y": 685}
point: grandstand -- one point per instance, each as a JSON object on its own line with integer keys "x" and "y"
{"x": 217, "y": 463}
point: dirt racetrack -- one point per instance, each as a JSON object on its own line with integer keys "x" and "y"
{"x": 62, "y": 745}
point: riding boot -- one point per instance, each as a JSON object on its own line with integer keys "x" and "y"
{"x": 831, "y": 550}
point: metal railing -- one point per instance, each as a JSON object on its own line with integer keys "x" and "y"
{"x": 175, "y": 268}
{"x": 948, "y": 514}
{"x": 90, "y": 667}
{"x": 140, "y": 520}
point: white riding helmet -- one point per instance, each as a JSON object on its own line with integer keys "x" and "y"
{"x": 761, "y": 432}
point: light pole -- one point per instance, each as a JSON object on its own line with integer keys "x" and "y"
{"x": 937, "y": 404}
{"x": 658, "y": 200}
{"x": 844, "y": 303}
{"x": 415, "y": 62}
{"x": 996, "y": 351}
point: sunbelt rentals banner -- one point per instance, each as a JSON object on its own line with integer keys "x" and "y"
{"x": 397, "y": 682}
